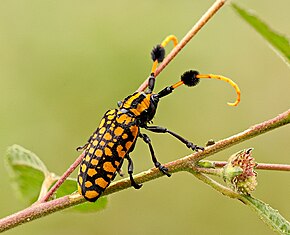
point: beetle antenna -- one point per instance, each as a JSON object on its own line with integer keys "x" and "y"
{"x": 158, "y": 52}
{"x": 191, "y": 78}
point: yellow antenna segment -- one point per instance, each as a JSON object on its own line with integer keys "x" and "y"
{"x": 233, "y": 84}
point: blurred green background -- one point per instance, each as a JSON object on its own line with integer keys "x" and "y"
{"x": 64, "y": 63}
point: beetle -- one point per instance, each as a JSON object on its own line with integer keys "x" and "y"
{"x": 119, "y": 129}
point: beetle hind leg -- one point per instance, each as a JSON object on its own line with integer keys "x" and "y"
{"x": 157, "y": 164}
{"x": 130, "y": 172}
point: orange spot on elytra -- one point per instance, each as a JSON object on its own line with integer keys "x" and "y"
{"x": 111, "y": 117}
{"x": 91, "y": 172}
{"x": 128, "y": 120}
{"x": 84, "y": 167}
{"x": 101, "y": 182}
{"x": 107, "y": 136}
{"x": 102, "y": 143}
{"x": 102, "y": 130}
{"x": 134, "y": 130}
{"x": 117, "y": 163}
{"x": 112, "y": 111}
{"x": 128, "y": 145}
{"x": 121, "y": 119}
{"x": 91, "y": 194}
{"x": 111, "y": 144}
{"x": 88, "y": 184}
{"x": 94, "y": 162}
{"x": 120, "y": 151}
{"x": 110, "y": 176}
{"x": 109, "y": 167}
{"x": 102, "y": 123}
{"x": 118, "y": 131}
{"x": 108, "y": 152}
{"x": 99, "y": 153}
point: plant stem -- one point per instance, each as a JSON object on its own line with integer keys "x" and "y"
{"x": 209, "y": 171}
{"x": 258, "y": 129}
{"x": 194, "y": 30}
{"x": 62, "y": 178}
{"x": 261, "y": 166}
{"x": 184, "y": 164}
{"x": 217, "y": 186}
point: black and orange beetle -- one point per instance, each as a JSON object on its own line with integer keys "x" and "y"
{"x": 119, "y": 129}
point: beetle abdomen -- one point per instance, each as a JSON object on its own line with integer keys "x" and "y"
{"x": 105, "y": 152}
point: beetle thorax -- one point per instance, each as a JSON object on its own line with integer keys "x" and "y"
{"x": 142, "y": 105}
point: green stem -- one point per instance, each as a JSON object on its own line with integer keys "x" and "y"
{"x": 260, "y": 166}
{"x": 210, "y": 171}
{"x": 214, "y": 184}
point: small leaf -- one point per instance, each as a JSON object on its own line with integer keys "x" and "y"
{"x": 278, "y": 41}
{"x": 269, "y": 215}
{"x": 27, "y": 172}
{"x": 31, "y": 178}
{"x": 70, "y": 186}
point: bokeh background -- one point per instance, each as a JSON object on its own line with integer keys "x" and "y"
{"x": 64, "y": 63}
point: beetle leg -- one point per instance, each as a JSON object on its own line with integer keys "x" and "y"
{"x": 83, "y": 147}
{"x": 130, "y": 172}
{"x": 158, "y": 129}
{"x": 157, "y": 164}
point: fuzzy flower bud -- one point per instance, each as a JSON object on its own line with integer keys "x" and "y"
{"x": 239, "y": 172}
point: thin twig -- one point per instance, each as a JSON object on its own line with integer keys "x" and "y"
{"x": 184, "y": 164}
{"x": 217, "y": 186}
{"x": 62, "y": 179}
{"x": 194, "y": 30}
{"x": 261, "y": 166}
{"x": 209, "y": 171}
{"x": 280, "y": 120}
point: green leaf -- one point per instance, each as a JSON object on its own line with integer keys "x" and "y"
{"x": 278, "y": 41}
{"x": 27, "y": 172}
{"x": 70, "y": 186}
{"x": 30, "y": 178}
{"x": 269, "y": 215}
